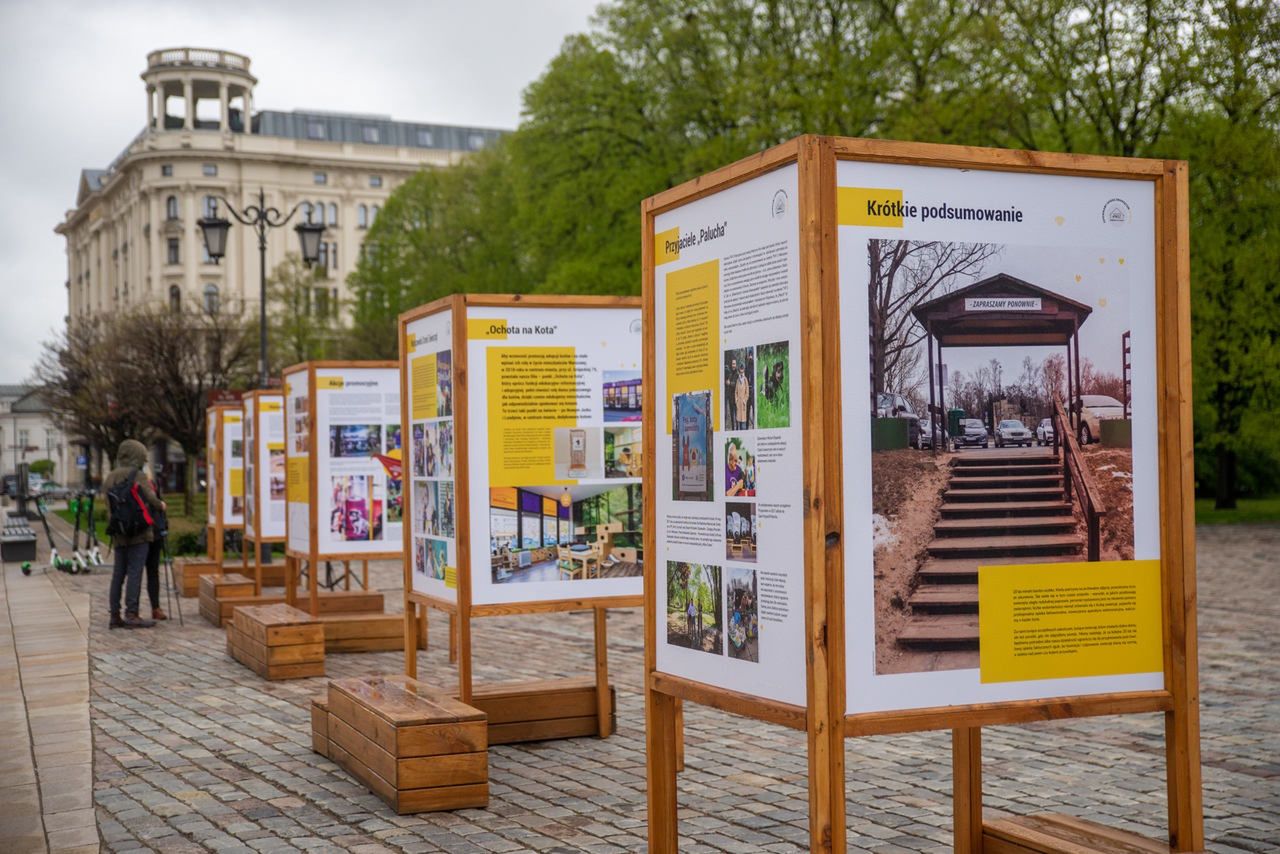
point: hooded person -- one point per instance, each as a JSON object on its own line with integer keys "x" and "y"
{"x": 131, "y": 551}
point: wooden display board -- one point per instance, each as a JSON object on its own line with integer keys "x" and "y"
{"x": 1039, "y": 252}
{"x": 478, "y": 452}
{"x": 264, "y": 521}
{"x": 224, "y": 475}
{"x": 332, "y": 447}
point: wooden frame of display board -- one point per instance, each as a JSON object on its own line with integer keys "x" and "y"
{"x": 313, "y": 555}
{"x": 253, "y": 406}
{"x": 823, "y": 715}
{"x": 216, "y": 523}
{"x": 533, "y": 696}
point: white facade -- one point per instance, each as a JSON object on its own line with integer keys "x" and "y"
{"x": 27, "y": 434}
{"x": 133, "y": 237}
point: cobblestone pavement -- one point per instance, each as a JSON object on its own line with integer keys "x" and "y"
{"x": 192, "y": 751}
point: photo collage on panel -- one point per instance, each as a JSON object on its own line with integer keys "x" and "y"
{"x": 431, "y": 461}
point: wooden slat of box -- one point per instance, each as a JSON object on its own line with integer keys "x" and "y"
{"x": 1055, "y": 833}
{"x": 215, "y": 588}
{"x": 278, "y": 625}
{"x": 277, "y": 641}
{"x": 188, "y": 572}
{"x": 417, "y": 748}
{"x": 540, "y": 710}
{"x": 320, "y": 724}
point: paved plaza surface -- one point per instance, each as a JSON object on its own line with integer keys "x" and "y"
{"x": 192, "y": 752}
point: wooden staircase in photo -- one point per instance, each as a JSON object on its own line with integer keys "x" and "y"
{"x": 999, "y": 507}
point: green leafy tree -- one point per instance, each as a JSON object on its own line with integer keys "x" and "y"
{"x": 302, "y": 314}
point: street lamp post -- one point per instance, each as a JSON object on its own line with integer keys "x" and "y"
{"x": 261, "y": 219}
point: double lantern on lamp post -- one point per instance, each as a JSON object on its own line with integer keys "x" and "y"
{"x": 261, "y": 219}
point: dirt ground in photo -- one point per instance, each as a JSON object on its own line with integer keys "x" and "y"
{"x": 1112, "y": 470}
{"x": 906, "y": 488}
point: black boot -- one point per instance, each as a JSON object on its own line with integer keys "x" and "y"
{"x": 116, "y": 622}
{"x": 133, "y": 621}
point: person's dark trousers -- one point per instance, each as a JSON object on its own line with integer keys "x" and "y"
{"x": 130, "y": 561}
{"x": 153, "y": 573}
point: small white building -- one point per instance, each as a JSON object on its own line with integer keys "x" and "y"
{"x": 27, "y": 434}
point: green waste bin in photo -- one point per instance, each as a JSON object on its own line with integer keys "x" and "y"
{"x": 955, "y": 425}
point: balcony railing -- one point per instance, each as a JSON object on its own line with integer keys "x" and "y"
{"x": 198, "y": 56}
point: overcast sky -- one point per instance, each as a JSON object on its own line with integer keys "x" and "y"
{"x": 71, "y": 96}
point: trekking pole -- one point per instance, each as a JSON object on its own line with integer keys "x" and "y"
{"x": 171, "y": 598}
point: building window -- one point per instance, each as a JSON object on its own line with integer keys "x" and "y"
{"x": 175, "y": 255}
{"x": 424, "y": 138}
{"x": 320, "y": 177}
{"x": 322, "y": 302}
{"x": 315, "y": 130}
{"x": 211, "y": 298}
{"x": 362, "y": 216}
{"x": 476, "y": 142}
{"x": 370, "y": 134}
{"x": 333, "y": 256}
{"x": 323, "y": 260}
{"x": 373, "y": 214}
{"x": 333, "y": 213}
{"x": 306, "y": 211}
{"x": 171, "y": 208}
{"x": 210, "y": 206}
{"x": 375, "y": 181}
{"x": 24, "y": 436}
{"x": 166, "y": 170}
{"x": 175, "y": 299}
{"x": 210, "y": 170}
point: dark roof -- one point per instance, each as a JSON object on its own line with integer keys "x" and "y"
{"x": 30, "y": 402}
{"x": 371, "y": 130}
{"x": 954, "y": 323}
{"x": 14, "y": 390}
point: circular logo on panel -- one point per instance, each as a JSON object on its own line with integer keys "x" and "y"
{"x": 779, "y": 204}
{"x": 1116, "y": 212}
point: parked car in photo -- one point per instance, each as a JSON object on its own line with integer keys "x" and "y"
{"x": 53, "y": 489}
{"x": 1011, "y": 431}
{"x": 1094, "y": 409}
{"x": 925, "y": 437}
{"x": 1044, "y": 432}
{"x": 890, "y": 405}
{"x": 975, "y": 435}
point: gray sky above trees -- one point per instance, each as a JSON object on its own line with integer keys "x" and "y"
{"x": 71, "y": 96}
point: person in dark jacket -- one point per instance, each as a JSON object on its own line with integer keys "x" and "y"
{"x": 131, "y": 552}
{"x": 160, "y": 530}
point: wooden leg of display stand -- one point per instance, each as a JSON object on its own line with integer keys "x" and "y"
{"x": 604, "y": 699}
{"x": 411, "y": 639}
{"x": 290, "y": 581}
{"x": 244, "y": 570}
{"x": 663, "y": 740}
{"x": 966, "y": 785}
{"x": 679, "y": 728}
{"x": 314, "y": 584}
{"x": 365, "y": 576}
{"x": 453, "y": 637}
{"x": 346, "y": 575}
{"x": 423, "y": 610}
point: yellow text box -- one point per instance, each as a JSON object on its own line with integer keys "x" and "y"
{"x": 330, "y": 383}
{"x": 236, "y": 486}
{"x": 666, "y": 246}
{"x": 1067, "y": 620}
{"x": 693, "y": 334}
{"x": 298, "y": 480}
{"x": 422, "y": 373}
{"x": 531, "y": 391}
{"x": 867, "y": 206}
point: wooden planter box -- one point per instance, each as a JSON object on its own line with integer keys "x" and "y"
{"x": 188, "y": 572}
{"x": 276, "y": 641}
{"x": 216, "y": 588}
{"x": 320, "y": 724}
{"x": 1053, "y": 833}
{"x": 416, "y": 748}
{"x": 221, "y": 595}
{"x": 542, "y": 709}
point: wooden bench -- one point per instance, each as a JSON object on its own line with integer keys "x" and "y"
{"x": 221, "y": 595}
{"x": 187, "y": 572}
{"x": 276, "y": 641}
{"x": 418, "y": 749}
{"x": 320, "y": 724}
{"x": 541, "y": 710}
{"x": 362, "y": 632}
{"x": 1054, "y": 833}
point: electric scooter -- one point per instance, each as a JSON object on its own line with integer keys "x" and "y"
{"x": 92, "y": 554}
{"x": 57, "y": 561}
